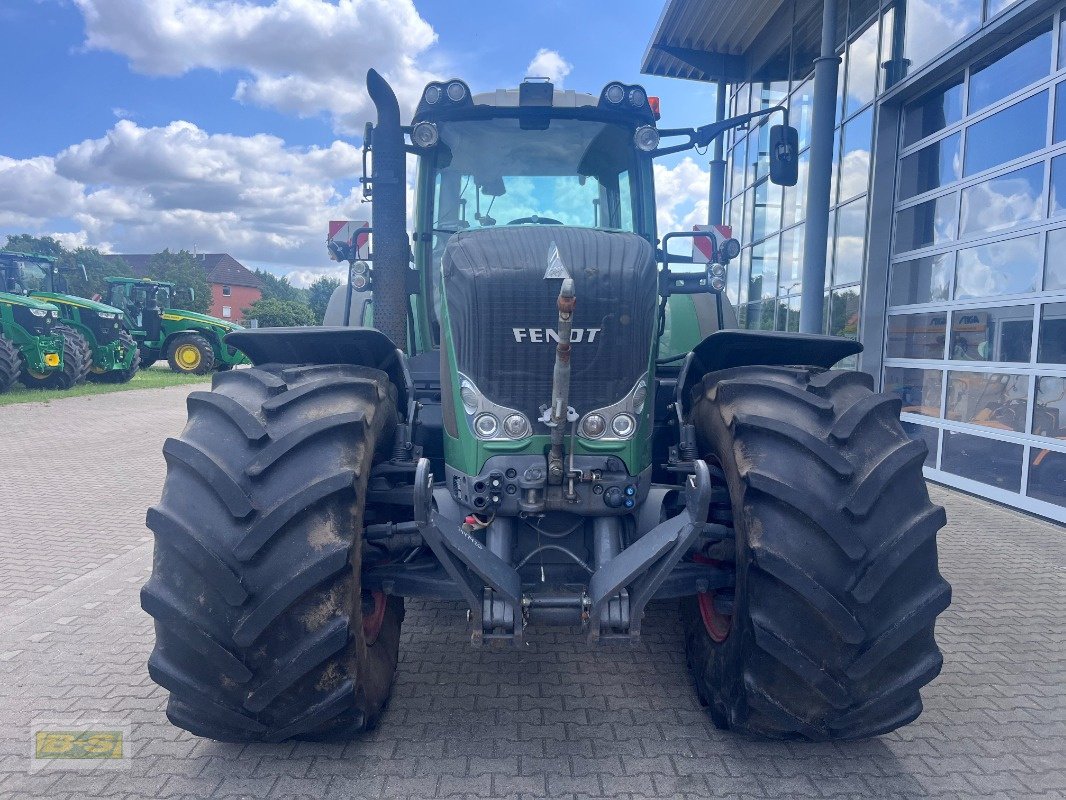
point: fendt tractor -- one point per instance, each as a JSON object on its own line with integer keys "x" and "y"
{"x": 109, "y": 353}
{"x": 551, "y": 423}
{"x": 36, "y": 346}
{"x": 190, "y": 342}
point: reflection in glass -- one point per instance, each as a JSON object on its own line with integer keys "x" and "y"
{"x": 919, "y": 389}
{"x": 1059, "y": 131}
{"x": 926, "y": 223}
{"x": 992, "y": 334}
{"x": 1009, "y": 267}
{"x": 1004, "y": 201}
{"x": 759, "y": 152}
{"x": 1051, "y": 347}
{"x": 931, "y": 167}
{"x": 749, "y": 207}
{"x": 932, "y": 113}
{"x": 763, "y": 277}
{"x": 921, "y": 280}
{"x": 738, "y": 161}
{"x": 984, "y": 460}
{"x": 995, "y": 6}
{"x": 934, "y": 25}
{"x": 924, "y": 433}
{"x": 1047, "y": 475}
{"x": 742, "y": 273}
{"x": 799, "y": 112}
{"x": 794, "y": 198}
{"x": 916, "y": 335}
{"x": 1055, "y": 260}
{"x": 990, "y": 399}
{"x": 1024, "y": 61}
{"x": 767, "y": 213}
{"x": 850, "y": 242}
{"x": 844, "y": 312}
{"x": 1007, "y": 134}
{"x": 862, "y": 70}
{"x": 1049, "y": 413}
{"x": 791, "y": 270}
{"x": 855, "y": 162}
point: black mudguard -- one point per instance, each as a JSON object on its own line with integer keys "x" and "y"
{"x": 364, "y": 347}
{"x": 743, "y": 348}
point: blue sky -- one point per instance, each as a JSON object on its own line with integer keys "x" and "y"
{"x": 231, "y": 125}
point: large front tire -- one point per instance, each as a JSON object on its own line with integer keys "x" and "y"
{"x": 191, "y": 354}
{"x": 829, "y": 631}
{"x": 263, "y": 632}
{"x": 10, "y": 363}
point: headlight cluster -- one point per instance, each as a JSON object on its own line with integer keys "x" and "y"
{"x": 716, "y": 272}
{"x": 617, "y": 93}
{"x": 619, "y": 421}
{"x": 489, "y": 420}
{"x": 453, "y": 91}
{"x": 40, "y": 312}
{"x": 107, "y": 315}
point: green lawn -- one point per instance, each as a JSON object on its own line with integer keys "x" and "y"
{"x": 152, "y": 378}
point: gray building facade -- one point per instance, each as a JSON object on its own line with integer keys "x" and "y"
{"x": 946, "y": 247}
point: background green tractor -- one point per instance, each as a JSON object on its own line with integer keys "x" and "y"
{"x": 190, "y": 342}
{"x": 552, "y": 423}
{"x": 110, "y": 350}
{"x": 36, "y": 347}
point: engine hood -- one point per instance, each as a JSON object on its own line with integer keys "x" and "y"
{"x": 176, "y": 315}
{"x": 28, "y": 302}
{"x": 80, "y": 302}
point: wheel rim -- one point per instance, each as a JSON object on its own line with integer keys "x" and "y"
{"x": 188, "y": 356}
{"x": 373, "y": 615}
{"x": 717, "y": 624}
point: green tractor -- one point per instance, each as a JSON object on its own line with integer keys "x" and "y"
{"x": 107, "y": 348}
{"x": 190, "y": 342}
{"x": 36, "y": 346}
{"x": 554, "y": 422}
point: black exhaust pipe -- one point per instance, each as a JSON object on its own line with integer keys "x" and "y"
{"x": 389, "y": 213}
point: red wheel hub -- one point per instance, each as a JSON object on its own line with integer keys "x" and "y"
{"x": 373, "y": 615}
{"x": 717, "y": 624}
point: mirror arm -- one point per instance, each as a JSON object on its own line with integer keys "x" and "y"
{"x": 705, "y": 134}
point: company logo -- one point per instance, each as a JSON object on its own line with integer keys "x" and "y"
{"x": 78, "y": 746}
{"x": 541, "y": 335}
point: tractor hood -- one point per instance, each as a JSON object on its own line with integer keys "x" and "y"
{"x": 28, "y": 302}
{"x": 80, "y": 302}
{"x": 192, "y": 316}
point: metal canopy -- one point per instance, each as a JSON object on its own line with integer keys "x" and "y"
{"x": 707, "y": 40}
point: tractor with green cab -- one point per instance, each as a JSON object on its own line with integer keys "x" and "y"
{"x": 108, "y": 349}
{"x": 553, "y": 422}
{"x": 190, "y": 342}
{"x": 37, "y": 348}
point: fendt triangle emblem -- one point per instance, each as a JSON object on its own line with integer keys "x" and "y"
{"x": 556, "y": 267}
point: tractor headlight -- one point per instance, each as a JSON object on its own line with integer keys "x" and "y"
{"x": 456, "y": 91}
{"x": 432, "y": 94}
{"x": 593, "y": 426}
{"x": 424, "y": 135}
{"x": 637, "y": 97}
{"x": 517, "y": 426}
{"x": 717, "y": 270}
{"x": 469, "y": 396}
{"x": 623, "y": 426}
{"x": 486, "y": 426}
{"x": 640, "y": 394}
{"x": 39, "y": 312}
{"x": 646, "y": 138}
{"x": 615, "y": 93}
{"x": 107, "y": 315}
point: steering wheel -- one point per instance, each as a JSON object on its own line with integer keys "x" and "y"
{"x": 534, "y": 220}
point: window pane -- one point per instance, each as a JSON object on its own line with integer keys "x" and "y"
{"x": 925, "y": 434}
{"x": 1014, "y": 67}
{"x": 862, "y": 70}
{"x": 1009, "y": 267}
{"x": 1049, "y": 415}
{"x": 850, "y": 242}
{"x": 1004, "y": 201}
{"x": 1055, "y": 260}
{"x": 1051, "y": 348}
{"x": 933, "y": 112}
{"x": 763, "y": 277}
{"x": 919, "y": 389}
{"x": 933, "y": 27}
{"x": 759, "y": 152}
{"x": 749, "y": 207}
{"x": 916, "y": 335}
{"x": 926, "y": 223}
{"x": 1007, "y": 134}
{"x": 799, "y": 112}
{"x": 793, "y": 323}
{"x": 921, "y": 280}
{"x": 794, "y": 198}
{"x": 855, "y": 162}
{"x": 1058, "y": 185}
{"x": 992, "y": 399}
{"x": 1059, "y": 132}
{"x": 992, "y": 334}
{"x": 931, "y": 167}
{"x": 995, "y": 6}
{"x": 985, "y": 460}
{"x": 844, "y": 312}
{"x": 767, "y": 210}
{"x": 791, "y": 269}
{"x": 739, "y": 159}
{"x": 1047, "y": 475}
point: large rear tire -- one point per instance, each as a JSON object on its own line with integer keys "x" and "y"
{"x": 263, "y": 632}
{"x": 10, "y": 364}
{"x": 829, "y": 631}
{"x": 191, "y": 354}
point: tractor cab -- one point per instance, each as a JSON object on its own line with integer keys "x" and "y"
{"x": 143, "y": 302}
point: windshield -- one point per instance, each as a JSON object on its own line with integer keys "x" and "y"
{"x": 574, "y": 172}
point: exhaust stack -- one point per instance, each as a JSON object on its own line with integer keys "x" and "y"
{"x": 389, "y": 213}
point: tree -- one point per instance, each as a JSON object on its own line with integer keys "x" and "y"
{"x": 97, "y": 266}
{"x": 318, "y": 295}
{"x": 182, "y": 269}
{"x": 275, "y": 288}
{"x": 274, "y": 313}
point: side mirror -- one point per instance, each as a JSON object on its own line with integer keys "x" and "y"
{"x": 784, "y": 155}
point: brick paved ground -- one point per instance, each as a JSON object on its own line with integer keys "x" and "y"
{"x": 556, "y": 720}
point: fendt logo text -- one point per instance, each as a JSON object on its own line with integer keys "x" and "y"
{"x": 540, "y": 335}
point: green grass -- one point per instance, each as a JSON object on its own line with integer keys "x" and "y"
{"x": 152, "y": 378}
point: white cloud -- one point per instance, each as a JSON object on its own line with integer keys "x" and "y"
{"x": 302, "y": 57}
{"x": 305, "y": 277}
{"x": 549, "y": 64}
{"x": 681, "y": 194}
